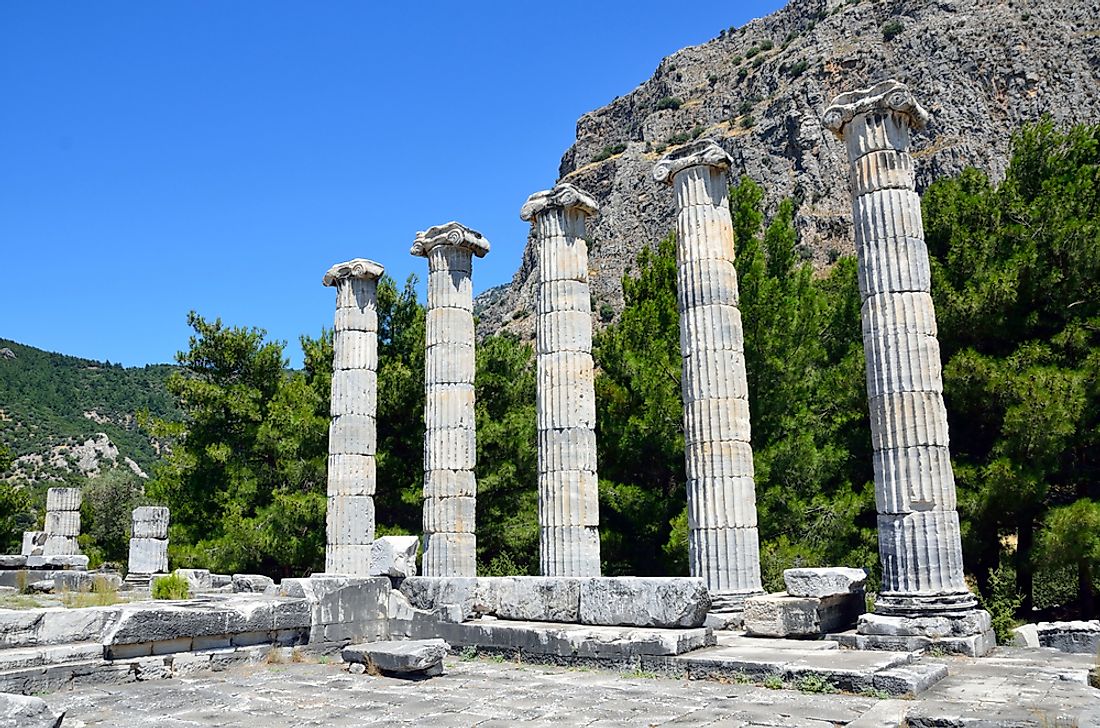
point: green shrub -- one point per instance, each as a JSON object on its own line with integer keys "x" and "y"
{"x": 681, "y": 138}
{"x": 173, "y": 586}
{"x": 747, "y": 122}
{"x": 609, "y": 152}
{"x": 606, "y": 312}
{"x": 698, "y": 131}
{"x": 745, "y": 107}
{"x": 892, "y": 29}
{"x": 797, "y": 69}
{"x": 669, "y": 102}
{"x": 767, "y": 45}
{"x": 1003, "y": 602}
{"x": 741, "y": 73}
{"x": 751, "y": 52}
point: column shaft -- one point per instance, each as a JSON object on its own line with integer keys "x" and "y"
{"x": 919, "y": 541}
{"x": 353, "y": 430}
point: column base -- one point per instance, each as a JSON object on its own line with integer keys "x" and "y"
{"x": 727, "y": 609}
{"x": 898, "y": 604}
{"x": 967, "y": 633}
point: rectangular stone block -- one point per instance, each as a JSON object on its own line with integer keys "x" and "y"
{"x": 539, "y": 598}
{"x": 824, "y": 582}
{"x": 569, "y": 498}
{"x": 706, "y": 282}
{"x": 781, "y": 615}
{"x": 150, "y": 522}
{"x": 354, "y": 349}
{"x": 350, "y": 519}
{"x": 394, "y": 556}
{"x": 197, "y": 579}
{"x": 449, "y": 363}
{"x": 704, "y": 233}
{"x": 448, "y": 326}
{"x": 644, "y": 601}
{"x": 711, "y": 328}
{"x": 350, "y": 474}
{"x": 445, "y": 483}
{"x": 33, "y": 542}
{"x": 63, "y": 523}
{"x": 148, "y": 556}
{"x": 570, "y": 295}
{"x": 63, "y": 499}
{"x": 353, "y": 318}
{"x": 563, "y": 331}
{"x": 570, "y": 449}
{"x": 903, "y": 362}
{"x": 567, "y": 406}
{"x": 721, "y": 502}
{"x": 563, "y": 369}
{"x": 451, "y": 289}
{"x": 449, "y": 515}
{"x": 563, "y": 258}
{"x": 354, "y": 392}
{"x": 60, "y": 545}
{"x": 353, "y": 435}
{"x": 716, "y": 420}
{"x": 723, "y": 459}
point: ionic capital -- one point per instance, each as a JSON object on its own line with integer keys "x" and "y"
{"x": 451, "y": 233}
{"x": 355, "y": 268}
{"x": 886, "y": 96}
{"x": 563, "y": 195}
{"x": 702, "y": 152}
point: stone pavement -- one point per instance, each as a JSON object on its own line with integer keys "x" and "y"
{"x": 1010, "y": 689}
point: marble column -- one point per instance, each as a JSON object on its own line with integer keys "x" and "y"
{"x": 62, "y": 521}
{"x": 450, "y": 446}
{"x": 569, "y": 517}
{"x": 352, "y": 438}
{"x": 724, "y": 546}
{"x": 919, "y": 541}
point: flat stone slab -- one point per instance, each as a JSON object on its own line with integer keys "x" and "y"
{"x": 782, "y": 615}
{"x": 24, "y": 711}
{"x": 400, "y": 657}
{"x": 824, "y": 582}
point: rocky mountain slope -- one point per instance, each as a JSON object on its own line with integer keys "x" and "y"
{"x": 982, "y": 67}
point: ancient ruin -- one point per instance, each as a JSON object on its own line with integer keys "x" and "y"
{"x": 352, "y": 434}
{"x": 450, "y": 447}
{"x": 919, "y": 542}
{"x": 62, "y": 521}
{"x": 724, "y": 544}
{"x": 148, "y": 544}
{"x": 569, "y": 503}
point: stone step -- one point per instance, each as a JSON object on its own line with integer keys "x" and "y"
{"x": 26, "y": 657}
{"x": 776, "y": 643}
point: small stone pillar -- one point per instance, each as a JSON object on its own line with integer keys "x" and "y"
{"x": 62, "y": 521}
{"x": 450, "y": 447}
{"x": 352, "y": 435}
{"x": 148, "y": 544}
{"x": 919, "y": 542}
{"x": 724, "y": 546}
{"x": 569, "y": 515}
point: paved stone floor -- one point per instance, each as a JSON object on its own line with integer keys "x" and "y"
{"x": 487, "y": 694}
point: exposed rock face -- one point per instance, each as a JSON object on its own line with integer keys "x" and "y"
{"x": 985, "y": 66}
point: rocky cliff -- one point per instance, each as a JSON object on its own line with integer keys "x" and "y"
{"x": 982, "y": 67}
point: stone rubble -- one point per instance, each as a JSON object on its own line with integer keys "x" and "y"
{"x": 394, "y": 556}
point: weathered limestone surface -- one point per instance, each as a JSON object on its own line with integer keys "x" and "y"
{"x": 353, "y": 433}
{"x": 824, "y": 582}
{"x": 569, "y": 538}
{"x": 724, "y": 546}
{"x": 785, "y": 615}
{"x": 394, "y": 556}
{"x": 919, "y": 541}
{"x": 149, "y": 541}
{"x": 34, "y": 543}
{"x": 400, "y": 657}
{"x": 342, "y": 609}
{"x": 26, "y": 711}
{"x": 1079, "y": 636}
{"x": 450, "y": 448}
{"x": 62, "y": 521}
{"x": 252, "y": 583}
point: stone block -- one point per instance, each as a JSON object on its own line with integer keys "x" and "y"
{"x": 394, "y": 556}
{"x": 33, "y": 543}
{"x": 251, "y": 583}
{"x": 1080, "y": 637}
{"x": 431, "y": 593}
{"x": 25, "y": 711}
{"x": 148, "y": 556}
{"x": 150, "y": 522}
{"x": 782, "y": 615}
{"x": 197, "y": 579}
{"x": 60, "y": 545}
{"x": 61, "y": 561}
{"x": 54, "y": 626}
{"x": 644, "y": 601}
{"x": 63, "y": 499}
{"x": 449, "y": 554}
{"x": 911, "y": 679}
{"x": 345, "y": 599}
{"x": 13, "y": 561}
{"x": 353, "y": 349}
{"x": 538, "y": 598}
{"x": 824, "y": 582}
{"x": 400, "y": 657}
{"x": 63, "y": 523}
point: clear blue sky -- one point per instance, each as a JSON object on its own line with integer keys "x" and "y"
{"x": 158, "y": 157}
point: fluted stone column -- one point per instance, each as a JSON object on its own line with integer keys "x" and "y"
{"x": 62, "y": 521}
{"x": 148, "y": 544}
{"x": 450, "y": 446}
{"x": 352, "y": 438}
{"x": 724, "y": 544}
{"x": 569, "y": 518}
{"x": 919, "y": 541}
